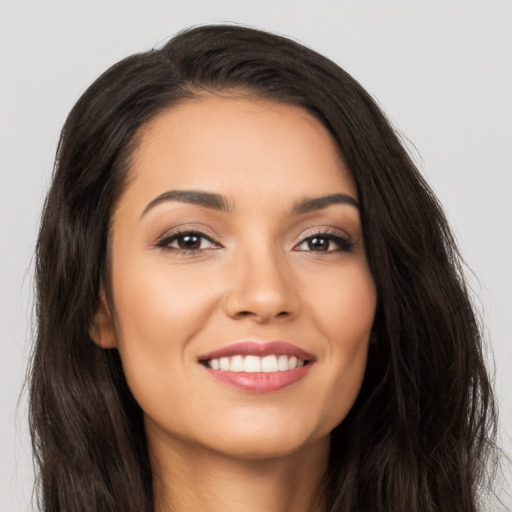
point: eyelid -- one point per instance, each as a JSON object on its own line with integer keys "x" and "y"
{"x": 344, "y": 240}
{"x": 341, "y": 238}
{"x": 164, "y": 240}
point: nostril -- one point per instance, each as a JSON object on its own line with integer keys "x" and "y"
{"x": 249, "y": 314}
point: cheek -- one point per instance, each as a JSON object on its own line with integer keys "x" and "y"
{"x": 157, "y": 313}
{"x": 344, "y": 307}
{"x": 160, "y": 303}
{"x": 344, "y": 314}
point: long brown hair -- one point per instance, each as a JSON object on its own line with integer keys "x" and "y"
{"x": 420, "y": 435}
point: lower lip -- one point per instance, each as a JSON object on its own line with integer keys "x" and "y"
{"x": 260, "y": 382}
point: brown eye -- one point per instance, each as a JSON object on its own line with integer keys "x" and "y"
{"x": 318, "y": 244}
{"x": 188, "y": 241}
{"x": 326, "y": 242}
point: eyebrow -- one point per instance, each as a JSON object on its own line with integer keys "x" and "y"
{"x": 312, "y": 204}
{"x": 205, "y": 199}
{"x": 220, "y": 203}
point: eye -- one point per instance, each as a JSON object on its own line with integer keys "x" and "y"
{"x": 187, "y": 242}
{"x": 326, "y": 242}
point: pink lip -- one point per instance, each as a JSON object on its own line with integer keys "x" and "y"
{"x": 260, "y": 382}
{"x": 254, "y": 348}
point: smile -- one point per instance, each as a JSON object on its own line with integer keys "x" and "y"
{"x": 258, "y": 367}
{"x": 256, "y": 364}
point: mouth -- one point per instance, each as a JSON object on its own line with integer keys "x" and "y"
{"x": 255, "y": 364}
{"x": 258, "y": 367}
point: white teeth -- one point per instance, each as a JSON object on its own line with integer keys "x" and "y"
{"x": 237, "y": 364}
{"x": 252, "y": 364}
{"x": 255, "y": 364}
{"x": 282, "y": 363}
{"x": 269, "y": 364}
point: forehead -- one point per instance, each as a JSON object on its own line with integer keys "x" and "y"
{"x": 238, "y": 147}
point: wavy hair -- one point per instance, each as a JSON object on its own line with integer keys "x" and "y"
{"x": 420, "y": 435}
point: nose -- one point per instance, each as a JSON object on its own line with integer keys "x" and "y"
{"x": 262, "y": 287}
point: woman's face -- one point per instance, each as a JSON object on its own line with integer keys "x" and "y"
{"x": 242, "y": 298}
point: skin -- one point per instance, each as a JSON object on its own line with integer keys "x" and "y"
{"x": 214, "y": 447}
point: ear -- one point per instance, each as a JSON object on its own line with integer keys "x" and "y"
{"x": 102, "y": 330}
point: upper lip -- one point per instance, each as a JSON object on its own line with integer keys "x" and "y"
{"x": 257, "y": 348}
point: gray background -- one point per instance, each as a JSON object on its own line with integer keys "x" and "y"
{"x": 442, "y": 71}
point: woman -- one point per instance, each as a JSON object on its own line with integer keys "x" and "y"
{"x": 248, "y": 298}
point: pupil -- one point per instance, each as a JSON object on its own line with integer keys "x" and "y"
{"x": 189, "y": 242}
{"x": 319, "y": 244}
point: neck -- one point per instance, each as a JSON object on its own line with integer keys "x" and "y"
{"x": 191, "y": 479}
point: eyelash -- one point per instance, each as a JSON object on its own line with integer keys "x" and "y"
{"x": 164, "y": 243}
{"x": 344, "y": 243}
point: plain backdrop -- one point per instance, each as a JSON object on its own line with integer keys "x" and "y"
{"x": 441, "y": 70}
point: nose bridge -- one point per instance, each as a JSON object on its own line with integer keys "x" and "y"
{"x": 262, "y": 285}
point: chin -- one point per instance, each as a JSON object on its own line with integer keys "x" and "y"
{"x": 264, "y": 448}
{"x": 265, "y": 439}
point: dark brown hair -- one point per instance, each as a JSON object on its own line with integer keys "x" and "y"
{"x": 421, "y": 432}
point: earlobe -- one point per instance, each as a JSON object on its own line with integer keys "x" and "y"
{"x": 102, "y": 330}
